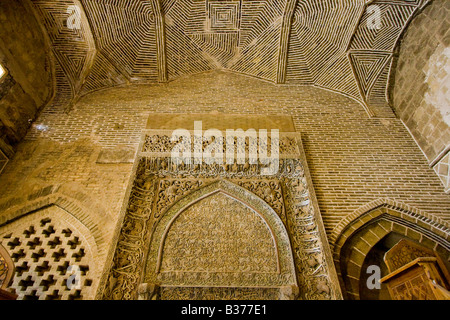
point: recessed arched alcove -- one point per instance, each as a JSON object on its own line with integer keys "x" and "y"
{"x": 372, "y": 231}
{"x": 47, "y": 247}
{"x": 221, "y": 241}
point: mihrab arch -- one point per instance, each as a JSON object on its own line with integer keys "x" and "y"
{"x": 217, "y": 238}
{"x": 211, "y": 231}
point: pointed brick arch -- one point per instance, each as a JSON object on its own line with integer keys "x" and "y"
{"x": 385, "y": 205}
{"x": 371, "y": 223}
{"x": 79, "y": 206}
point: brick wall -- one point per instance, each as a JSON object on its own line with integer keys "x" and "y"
{"x": 28, "y": 85}
{"x": 353, "y": 160}
{"x": 421, "y": 82}
{"x": 85, "y": 156}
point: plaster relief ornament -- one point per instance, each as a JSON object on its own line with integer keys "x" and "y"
{"x": 198, "y": 229}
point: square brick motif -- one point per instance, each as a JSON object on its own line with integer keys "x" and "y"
{"x": 224, "y": 16}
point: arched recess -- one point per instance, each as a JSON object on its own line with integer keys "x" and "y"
{"x": 78, "y": 205}
{"x": 377, "y": 224}
{"x": 45, "y": 233}
{"x": 230, "y": 238}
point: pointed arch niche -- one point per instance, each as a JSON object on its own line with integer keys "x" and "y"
{"x": 221, "y": 241}
{"x": 214, "y": 231}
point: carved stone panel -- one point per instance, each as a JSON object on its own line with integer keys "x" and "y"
{"x": 403, "y": 253}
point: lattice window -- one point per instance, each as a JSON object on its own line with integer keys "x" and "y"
{"x": 42, "y": 252}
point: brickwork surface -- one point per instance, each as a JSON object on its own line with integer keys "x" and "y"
{"x": 353, "y": 160}
{"x": 422, "y": 79}
{"x": 28, "y": 84}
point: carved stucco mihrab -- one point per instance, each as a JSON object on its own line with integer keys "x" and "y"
{"x": 223, "y": 231}
{"x": 266, "y": 236}
{"x": 217, "y": 234}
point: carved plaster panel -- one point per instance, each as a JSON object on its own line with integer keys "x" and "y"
{"x": 213, "y": 226}
{"x": 243, "y": 213}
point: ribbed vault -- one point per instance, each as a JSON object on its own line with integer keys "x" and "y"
{"x": 326, "y": 43}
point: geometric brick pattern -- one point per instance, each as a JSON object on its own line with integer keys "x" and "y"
{"x": 319, "y": 44}
{"x": 367, "y": 67}
{"x": 394, "y": 17}
{"x": 298, "y": 42}
{"x": 43, "y": 248}
{"x": 73, "y": 48}
{"x": 224, "y": 16}
{"x": 125, "y": 35}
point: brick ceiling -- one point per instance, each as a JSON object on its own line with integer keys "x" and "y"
{"x": 324, "y": 43}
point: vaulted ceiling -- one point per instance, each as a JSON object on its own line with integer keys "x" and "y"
{"x": 326, "y": 43}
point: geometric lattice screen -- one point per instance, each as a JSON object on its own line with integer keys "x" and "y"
{"x": 43, "y": 247}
